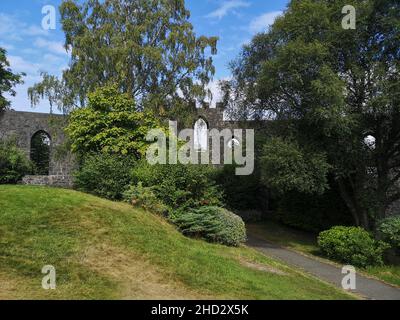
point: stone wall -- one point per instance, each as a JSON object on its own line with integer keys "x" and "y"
{"x": 52, "y": 180}
{"x": 23, "y": 125}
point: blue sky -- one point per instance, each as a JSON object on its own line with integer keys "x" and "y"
{"x": 32, "y": 49}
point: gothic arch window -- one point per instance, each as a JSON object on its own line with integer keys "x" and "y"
{"x": 201, "y": 135}
{"x": 40, "y": 152}
{"x": 370, "y": 142}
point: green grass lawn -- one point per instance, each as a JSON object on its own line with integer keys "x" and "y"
{"x": 307, "y": 243}
{"x": 108, "y": 250}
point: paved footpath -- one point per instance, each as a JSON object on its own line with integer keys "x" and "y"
{"x": 367, "y": 288}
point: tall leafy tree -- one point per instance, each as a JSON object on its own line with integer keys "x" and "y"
{"x": 8, "y": 80}
{"x": 147, "y": 47}
{"x": 110, "y": 124}
{"x": 330, "y": 89}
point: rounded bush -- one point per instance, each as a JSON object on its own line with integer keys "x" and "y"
{"x": 213, "y": 224}
{"x": 351, "y": 245}
{"x": 390, "y": 231}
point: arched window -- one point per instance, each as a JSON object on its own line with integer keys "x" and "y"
{"x": 40, "y": 152}
{"x": 200, "y": 136}
{"x": 370, "y": 142}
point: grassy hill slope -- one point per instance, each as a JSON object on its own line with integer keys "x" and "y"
{"x": 107, "y": 250}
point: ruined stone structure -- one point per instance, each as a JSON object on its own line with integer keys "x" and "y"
{"x": 22, "y": 126}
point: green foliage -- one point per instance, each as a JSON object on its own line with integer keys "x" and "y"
{"x": 77, "y": 225}
{"x": 13, "y": 162}
{"x": 313, "y": 213}
{"x": 351, "y": 245}
{"x": 285, "y": 167}
{"x": 241, "y": 192}
{"x": 390, "y": 229}
{"x": 148, "y": 48}
{"x": 40, "y": 153}
{"x": 53, "y": 90}
{"x": 305, "y": 72}
{"x": 144, "y": 197}
{"x": 8, "y": 80}
{"x": 110, "y": 124}
{"x": 213, "y": 224}
{"x": 180, "y": 186}
{"x": 104, "y": 175}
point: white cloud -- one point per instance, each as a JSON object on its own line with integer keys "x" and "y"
{"x": 9, "y": 27}
{"x": 216, "y": 92}
{"x": 53, "y": 46}
{"x": 262, "y": 23}
{"x": 19, "y": 64}
{"x": 227, "y": 7}
{"x": 12, "y": 28}
{"x": 35, "y": 31}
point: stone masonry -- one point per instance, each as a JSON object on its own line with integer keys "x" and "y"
{"x": 23, "y": 125}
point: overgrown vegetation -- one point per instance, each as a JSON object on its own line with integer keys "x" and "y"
{"x": 14, "y": 163}
{"x": 242, "y": 192}
{"x": 313, "y": 213}
{"x": 179, "y": 186}
{"x": 145, "y": 197}
{"x": 40, "y": 153}
{"x": 390, "y": 230}
{"x": 327, "y": 97}
{"x": 104, "y": 175}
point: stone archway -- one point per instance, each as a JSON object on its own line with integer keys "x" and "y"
{"x": 40, "y": 152}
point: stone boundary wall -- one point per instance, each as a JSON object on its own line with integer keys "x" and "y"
{"x": 52, "y": 181}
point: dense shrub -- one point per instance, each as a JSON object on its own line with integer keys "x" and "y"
{"x": 145, "y": 198}
{"x": 351, "y": 245}
{"x": 242, "y": 192}
{"x": 313, "y": 213}
{"x": 390, "y": 231}
{"x": 213, "y": 224}
{"x": 13, "y": 163}
{"x": 180, "y": 186}
{"x": 104, "y": 175}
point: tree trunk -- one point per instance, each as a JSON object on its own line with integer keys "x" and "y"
{"x": 347, "y": 199}
{"x": 359, "y": 214}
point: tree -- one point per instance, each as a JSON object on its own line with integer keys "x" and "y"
{"x": 7, "y": 80}
{"x": 147, "y": 47}
{"x": 110, "y": 124}
{"x": 329, "y": 89}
